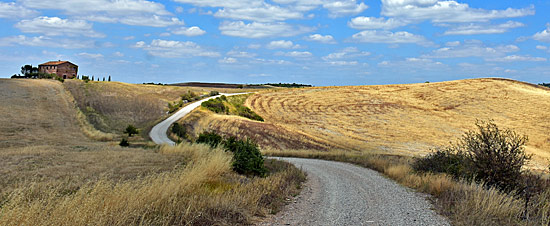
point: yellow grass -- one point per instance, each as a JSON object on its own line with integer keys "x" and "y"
{"x": 409, "y": 119}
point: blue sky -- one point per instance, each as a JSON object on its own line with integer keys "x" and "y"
{"x": 319, "y": 42}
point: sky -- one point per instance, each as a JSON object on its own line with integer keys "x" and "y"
{"x": 318, "y": 42}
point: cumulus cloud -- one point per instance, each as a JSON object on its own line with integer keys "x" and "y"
{"x": 375, "y": 36}
{"x": 241, "y": 54}
{"x": 373, "y": 23}
{"x": 297, "y": 54}
{"x": 343, "y": 63}
{"x": 11, "y": 10}
{"x": 174, "y": 49}
{"x": 282, "y": 44}
{"x": 472, "y": 48}
{"x": 188, "y": 31}
{"x": 91, "y": 55}
{"x": 342, "y": 8}
{"x": 130, "y": 12}
{"x": 515, "y": 58}
{"x": 446, "y": 11}
{"x": 473, "y": 29}
{"x": 349, "y": 52}
{"x": 44, "y": 41}
{"x": 261, "y": 30}
{"x": 263, "y": 13}
{"x": 55, "y": 26}
{"x": 543, "y": 36}
{"x": 328, "y": 39}
{"x": 227, "y": 60}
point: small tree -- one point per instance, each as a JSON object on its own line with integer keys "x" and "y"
{"x": 210, "y": 138}
{"x": 124, "y": 143}
{"x": 131, "y": 130}
{"x": 247, "y": 158}
{"x": 109, "y": 78}
{"x": 104, "y": 79}
{"x": 92, "y": 78}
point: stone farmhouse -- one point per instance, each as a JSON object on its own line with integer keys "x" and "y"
{"x": 63, "y": 69}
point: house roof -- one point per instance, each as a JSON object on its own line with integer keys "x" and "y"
{"x": 54, "y": 63}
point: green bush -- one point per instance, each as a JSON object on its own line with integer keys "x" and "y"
{"x": 215, "y": 105}
{"x": 489, "y": 154}
{"x": 210, "y": 138}
{"x": 247, "y": 158}
{"x": 189, "y": 96}
{"x": 248, "y": 113}
{"x": 124, "y": 143}
{"x": 214, "y": 93}
{"x": 179, "y": 130}
{"x": 131, "y": 130}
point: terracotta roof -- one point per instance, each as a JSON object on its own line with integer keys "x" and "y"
{"x": 52, "y": 63}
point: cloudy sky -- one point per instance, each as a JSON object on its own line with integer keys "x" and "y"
{"x": 319, "y": 42}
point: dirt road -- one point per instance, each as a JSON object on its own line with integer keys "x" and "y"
{"x": 343, "y": 194}
{"x": 159, "y": 132}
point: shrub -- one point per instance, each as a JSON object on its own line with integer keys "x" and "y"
{"x": 124, "y": 143}
{"x": 179, "y": 130}
{"x": 489, "y": 154}
{"x": 248, "y": 113}
{"x": 214, "y": 93}
{"x": 131, "y": 130}
{"x": 210, "y": 138}
{"x": 215, "y": 105}
{"x": 189, "y": 96}
{"x": 247, "y": 158}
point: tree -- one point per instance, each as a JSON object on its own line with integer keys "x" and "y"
{"x": 131, "y": 130}
{"x": 92, "y": 78}
{"x": 26, "y": 70}
{"x": 109, "y": 78}
{"x": 104, "y": 79}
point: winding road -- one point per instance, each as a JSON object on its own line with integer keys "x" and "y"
{"x": 159, "y": 133}
{"x": 337, "y": 193}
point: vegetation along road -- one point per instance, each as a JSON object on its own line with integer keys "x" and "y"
{"x": 159, "y": 132}
{"x": 343, "y": 194}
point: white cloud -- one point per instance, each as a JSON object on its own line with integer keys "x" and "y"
{"x": 241, "y": 54}
{"x": 91, "y": 55}
{"x": 227, "y": 60}
{"x": 344, "y": 7}
{"x": 473, "y": 29}
{"x": 189, "y": 31}
{"x": 542, "y": 47}
{"x": 164, "y": 34}
{"x": 254, "y": 46}
{"x": 129, "y": 38}
{"x": 446, "y": 11}
{"x": 543, "y": 36}
{"x": 514, "y": 58}
{"x": 261, "y": 30}
{"x": 224, "y": 3}
{"x": 282, "y": 44}
{"x": 472, "y": 48}
{"x": 374, "y": 36}
{"x": 368, "y": 23}
{"x": 328, "y": 39}
{"x": 55, "y": 26}
{"x": 349, "y": 52}
{"x": 343, "y": 63}
{"x": 413, "y": 63}
{"x": 263, "y": 13}
{"x": 11, "y": 10}
{"x": 118, "y": 54}
{"x": 454, "y": 43}
{"x": 174, "y": 49}
{"x": 298, "y": 54}
{"x": 44, "y": 41}
{"x": 130, "y": 12}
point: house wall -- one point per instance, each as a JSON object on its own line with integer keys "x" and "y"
{"x": 65, "y": 70}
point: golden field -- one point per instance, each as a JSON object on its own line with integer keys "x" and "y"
{"x": 54, "y": 171}
{"x": 405, "y": 120}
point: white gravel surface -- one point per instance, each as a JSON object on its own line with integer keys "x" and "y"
{"x": 159, "y": 132}
{"x": 344, "y": 194}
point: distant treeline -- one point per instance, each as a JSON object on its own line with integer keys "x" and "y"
{"x": 288, "y": 85}
{"x": 545, "y": 84}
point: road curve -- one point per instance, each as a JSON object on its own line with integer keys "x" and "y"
{"x": 343, "y": 194}
{"x": 159, "y": 133}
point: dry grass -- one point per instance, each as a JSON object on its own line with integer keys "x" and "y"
{"x": 462, "y": 202}
{"x": 204, "y": 192}
{"x": 409, "y": 119}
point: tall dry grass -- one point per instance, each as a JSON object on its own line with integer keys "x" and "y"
{"x": 464, "y": 203}
{"x": 204, "y": 192}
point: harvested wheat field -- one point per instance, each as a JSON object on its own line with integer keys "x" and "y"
{"x": 399, "y": 119}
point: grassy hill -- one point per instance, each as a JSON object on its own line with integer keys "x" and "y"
{"x": 396, "y": 119}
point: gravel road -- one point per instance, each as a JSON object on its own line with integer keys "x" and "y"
{"x": 159, "y": 132}
{"x": 343, "y": 194}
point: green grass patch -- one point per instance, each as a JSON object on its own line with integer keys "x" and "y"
{"x": 233, "y": 105}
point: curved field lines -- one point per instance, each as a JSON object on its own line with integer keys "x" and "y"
{"x": 408, "y": 119}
